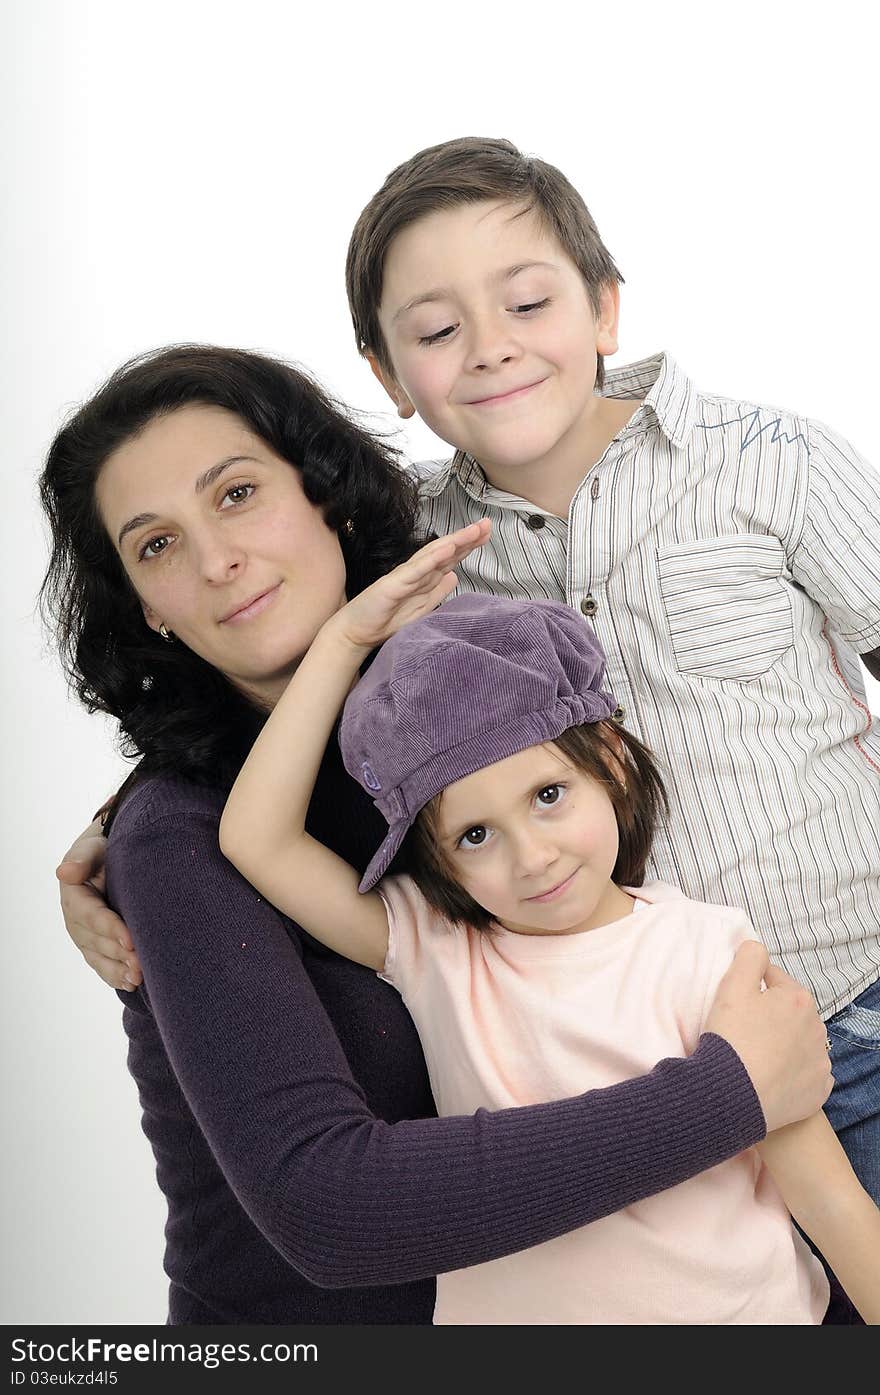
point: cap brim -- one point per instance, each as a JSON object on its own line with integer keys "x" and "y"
{"x": 385, "y": 856}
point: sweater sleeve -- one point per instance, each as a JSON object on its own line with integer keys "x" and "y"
{"x": 347, "y": 1198}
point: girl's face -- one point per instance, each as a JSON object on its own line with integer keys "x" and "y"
{"x": 534, "y": 840}
{"x": 221, "y": 545}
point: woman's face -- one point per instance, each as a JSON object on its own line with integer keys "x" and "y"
{"x": 221, "y": 545}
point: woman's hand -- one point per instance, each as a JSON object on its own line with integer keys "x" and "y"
{"x": 409, "y": 591}
{"x": 98, "y": 933}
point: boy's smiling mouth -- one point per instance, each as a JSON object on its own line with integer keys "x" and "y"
{"x": 501, "y": 397}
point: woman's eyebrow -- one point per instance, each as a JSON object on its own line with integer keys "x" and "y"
{"x": 207, "y": 479}
{"x": 202, "y": 483}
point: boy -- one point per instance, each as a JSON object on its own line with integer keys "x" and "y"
{"x": 726, "y": 553}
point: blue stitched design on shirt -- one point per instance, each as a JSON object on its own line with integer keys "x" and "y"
{"x": 754, "y": 431}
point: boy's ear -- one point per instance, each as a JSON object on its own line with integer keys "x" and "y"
{"x": 607, "y": 319}
{"x": 405, "y": 408}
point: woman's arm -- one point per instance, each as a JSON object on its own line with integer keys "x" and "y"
{"x": 827, "y": 1200}
{"x": 263, "y": 829}
{"x": 346, "y": 1198}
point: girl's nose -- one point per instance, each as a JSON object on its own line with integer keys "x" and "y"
{"x": 534, "y": 854}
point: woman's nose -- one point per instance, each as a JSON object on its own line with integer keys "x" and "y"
{"x": 219, "y": 557}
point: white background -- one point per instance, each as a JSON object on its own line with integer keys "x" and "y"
{"x": 192, "y": 170}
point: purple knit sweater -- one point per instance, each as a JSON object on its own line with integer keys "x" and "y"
{"x": 285, "y": 1096}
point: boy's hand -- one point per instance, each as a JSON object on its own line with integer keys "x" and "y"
{"x": 98, "y": 933}
{"x": 778, "y": 1035}
{"x": 408, "y": 592}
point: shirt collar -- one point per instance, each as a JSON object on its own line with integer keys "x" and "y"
{"x": 665, "y": 391}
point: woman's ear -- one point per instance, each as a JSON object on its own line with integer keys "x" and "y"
{"x": 152, "y": 619}
{"x": 405, "y": 408}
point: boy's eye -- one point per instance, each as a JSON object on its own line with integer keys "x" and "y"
{"x": 550, "y": 794}
{"x": 474, "y": 837}
{"x": 440, "y": 335}
{"x": 532, "y": 305}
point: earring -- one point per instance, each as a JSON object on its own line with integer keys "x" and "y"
{"x": 166, "y": 634}
{"x": 348, "y": 528}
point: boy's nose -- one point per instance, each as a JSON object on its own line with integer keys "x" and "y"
{"x": 492, "y": 345}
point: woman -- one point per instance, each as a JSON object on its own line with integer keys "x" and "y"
{"x": 210, "y": 509}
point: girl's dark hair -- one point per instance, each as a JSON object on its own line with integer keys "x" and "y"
{"x": 611, "y": 756}
{"x": 177, "y": 712}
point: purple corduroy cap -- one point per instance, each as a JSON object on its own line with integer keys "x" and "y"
{"x": 468, "y": 685}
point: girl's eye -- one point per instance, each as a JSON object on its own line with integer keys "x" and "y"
{"x": 474, "y": 837}
{"x": 154, "y": 547}
{"x": 439, "y": 336}
{"x": 550, "y": 794}
{"x": 238, "y": 493}
{"x": 533, "y": 305}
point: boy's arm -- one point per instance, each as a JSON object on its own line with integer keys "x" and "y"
{"x": 263, "y": 826}
{"x": 836, "y": 554}
{"x": 101, "y": 937}
{"x": 826, "y": 1199}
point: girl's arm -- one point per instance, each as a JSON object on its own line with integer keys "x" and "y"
{"x": 346, "y": 1197}
{"x": 827, "y": 1200}
{"x": 263, "y": 826}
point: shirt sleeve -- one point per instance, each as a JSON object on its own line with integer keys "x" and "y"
{"x": 346, "y": 1198}
{"x": 732, "y": 928}
{"x": 837, "y": 558}
{"x": 409, "y": 917}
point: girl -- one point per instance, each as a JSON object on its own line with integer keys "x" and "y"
{"x": 520, "y": 945}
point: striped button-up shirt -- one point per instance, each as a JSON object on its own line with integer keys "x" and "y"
{"x": 728, "y": 556}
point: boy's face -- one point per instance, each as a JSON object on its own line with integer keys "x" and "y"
{"x": 492, "y": 336}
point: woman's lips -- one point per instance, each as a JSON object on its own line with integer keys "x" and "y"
{"x": 252, "y": 608}
{"x": 555, "y": 891}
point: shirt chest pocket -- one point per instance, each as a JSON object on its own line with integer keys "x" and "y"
{"x": 727, "y": 604}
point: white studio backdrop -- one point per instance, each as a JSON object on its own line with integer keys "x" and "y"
{"x": 192, "y": 171}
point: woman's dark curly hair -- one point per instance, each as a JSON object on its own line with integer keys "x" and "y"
{"x": 176, "y": 712}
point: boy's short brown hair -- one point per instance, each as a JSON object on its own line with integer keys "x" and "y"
{"x": 611, "y": 756}
{"x": 468, "y": 170}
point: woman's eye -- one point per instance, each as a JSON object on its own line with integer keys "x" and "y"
{"x": 474, "y": 837}
{"x": 439, "y": 336}
{"x": 550, "y": 794}
{"x": 238, "y": 493}
{"x": 153, "y": 547}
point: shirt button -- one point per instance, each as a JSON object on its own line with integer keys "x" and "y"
{"x": 535, "y": 521}
{"x": 619, "y": 714}
{"x": 589, "y": 605}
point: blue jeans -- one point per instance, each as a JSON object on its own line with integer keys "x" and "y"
{"x": 854, "y": 1104}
